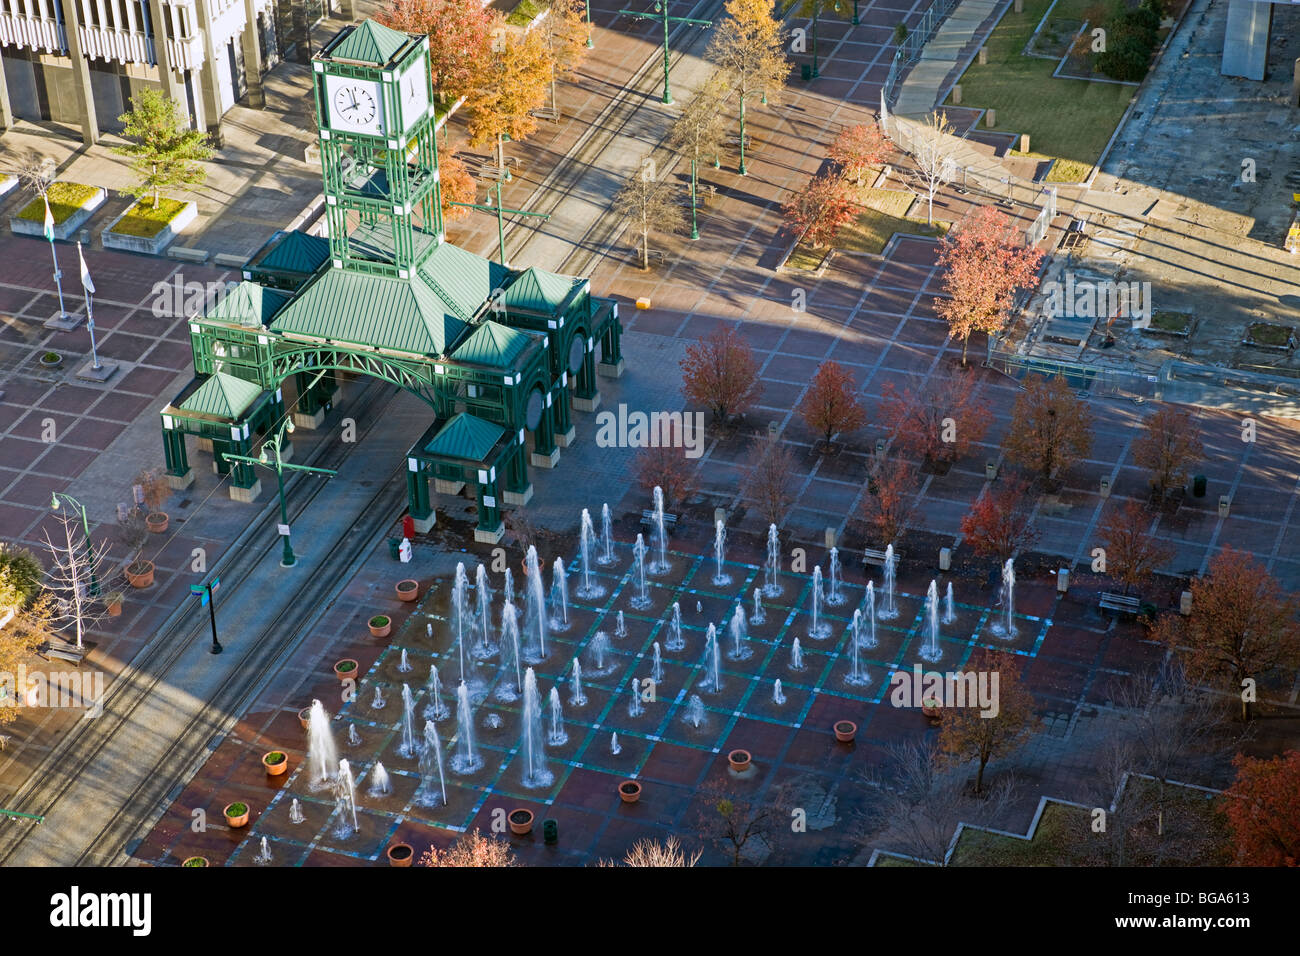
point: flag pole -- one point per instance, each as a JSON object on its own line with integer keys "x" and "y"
{"x": 88, "y": 287}
{"x": 58, "y": 273}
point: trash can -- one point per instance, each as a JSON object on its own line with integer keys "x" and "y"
{"x": 1198, "y": 486}
{"x": 394, "y": 544}
{"x": 805, "y": 71}
{"x": 550, "y": 831}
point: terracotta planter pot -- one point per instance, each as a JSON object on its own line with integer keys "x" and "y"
{"x": 115, "y": 609}
{"x": 740, "y": 760}
{"x": 139, "y": 574}
{"x": 845, "y": 731}
{"x": 380, "y": 630}
{"x": 157, "y": 521}
{"x": 304, "y": 717}
{"x": 400, "y": 854}
{"x": 408, "y": 590}
{"x": 521, "y": 821}
{"x": 346, "y": 668}
{"x": 629, "y": 791}
{"x": 275, "y": 769}
{"x": 236, "y": 820}
{"x": 195, "y": 861}
{"x": 932, "y": 710}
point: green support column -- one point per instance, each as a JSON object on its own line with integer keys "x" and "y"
{"x": 545, "y": 452}
{"x": 313, "y": 400}
{"x": 611, "y": 350}
{"x": 518, "y": 491}
{"x": 179, "y": 473}
{"x": 490, "y": 528}
{"x": 586, "y": 396}
{"x": 219, "y": 464}
{"x": 564, "y": 430}
{"x": 417, "y": 495}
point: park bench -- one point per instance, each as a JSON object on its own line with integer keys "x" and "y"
{"x": 545, "y": 113}
{"x": 1120, "y": 603}
{"x": 648, "y": 521}
{"x": 877, "y": 558}
{"x": 63, "y": 650}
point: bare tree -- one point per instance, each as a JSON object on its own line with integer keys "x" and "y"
{"x": 731, "y": 818}
{"x": 647, "y": 206}
{"x": 76, "y": 573}
{"x": 923, "y": 798}
{"x": 768, "y": 482}
{"x": 933, "y": 149}
{"x": 36, "y": 173}
{"x": 698, "y": 134}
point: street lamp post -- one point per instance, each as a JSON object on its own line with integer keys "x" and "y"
{"x": 661, "y": 13}
{"x": 207, "y": 593}
{"x": 589, "y": 40}
{"x": 289, "y": 559}
{"x": 85, "y": 527}
{"x": 501, "y": 223}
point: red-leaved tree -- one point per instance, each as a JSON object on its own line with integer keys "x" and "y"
{"x": 1050, "y": 427}
{"x": 858, "y": 148}
{"x": 460, "y": 38}
{"x": 830, "y": 406}
{"x": 720, "y": 373}
{"x": 1169, "y": 445}
{"x": 1243, "y": 625}
{"x": 937, "y": 420}
{"x": 820, "y": 210}
{"x": 890, "y": 501}
{"x": 1000, "y": 521}
{"x": 768, "y": 484}
{"x": 1263, "y": 810}
{"x": 1132, "y": 551}
{"x": 984, "y": 261}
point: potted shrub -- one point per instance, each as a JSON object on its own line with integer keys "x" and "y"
{"x": 304, "y": 717}
{"x": 740, "y": 760}
{"x": 151, "y": 491}
{"x": 134, "y": 534}
{"x": 195, "y": 861}
{"x": 845, "y": 731}
{"x": 236, "y": 815}
{"x": 408, "y": 590}
{"x": 521, "y": 821}
{"x": 400, "y": 854}
{"x": 380, "y": 626}
{"x": 629, "y": 791}
{"x": 930, "y": 708}
{"x": 51, "y": 360}
{"x": 345, "y": 668}
{"x": 276, "y": 762}
{"x": 113, "y": 601}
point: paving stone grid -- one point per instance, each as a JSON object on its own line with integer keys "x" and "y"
{"x": 660, "y": 748}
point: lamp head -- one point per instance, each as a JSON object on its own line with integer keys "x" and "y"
{"x": 288, "y": 426}
{"x": 262, "y": 457}
{"x": 54, "y": 501}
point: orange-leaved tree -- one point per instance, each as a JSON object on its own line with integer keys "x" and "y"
{"x": 1132, "y": 551}
{"x": 1050, "y": 427}
{"x": 1000, "y": 522}
{"x": 830, "y": 406}
{"x": 937, "y": 420}
{"x": 890, "y": 501}
{"x": 1263, "y": 810}
{"x": 460, "y": 39}
{"x": 858, "y": 148}
{"x": 512, "y": 83}
{"x": 820, "y": 210}
{"x": 720, "y": 373}
{"x": 1169, "y": 445}
{"x": 974, "y": 733}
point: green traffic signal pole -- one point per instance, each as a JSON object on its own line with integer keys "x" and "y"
{"x": 85, "y": 527}
{"x": 661, "y": 13}
{"x": 501, "y": 222}
{"x": 288, "y": 560}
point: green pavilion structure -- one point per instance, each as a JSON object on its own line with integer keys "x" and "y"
{"x": 501, "y": 356}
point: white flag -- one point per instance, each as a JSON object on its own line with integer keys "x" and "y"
{"x": 49, "y": 221}
{"x": 85, "y": 273}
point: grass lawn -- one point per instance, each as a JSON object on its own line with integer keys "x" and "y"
{"x": 1170, "y": 321}
{"x": 525, "y": 13}
{"x": 882, "y": 215}
{"x": 806, "y": 259}
{"x": 1068, "y": 119}
{"x": 1266, "y": 333}
{"x": 144, "y": 221}
{"x": 65, "y": 199}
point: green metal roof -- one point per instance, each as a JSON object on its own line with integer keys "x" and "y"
{"x": 404, "y": 315}
{"x": 465, "y": 437}
{"x": 296, "y": 252}
{"x": 464, "y": 279}
{"x": 539, "y": 291}
{"x": 492, "y": 344}
{"x": 222, "y": 396}
{"x": 247, "y": 304}
{"x": 374, "y": 240}
{"x": 370, "y": 43}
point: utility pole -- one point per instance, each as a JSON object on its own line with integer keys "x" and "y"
{"x": 207, "y": 594}
{"x": 501, "y": 223}
{"x": 661, "y": 13}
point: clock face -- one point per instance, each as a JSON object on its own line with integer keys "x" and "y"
{"x": 415, "y": 93}
{"x": 355, "y": 106}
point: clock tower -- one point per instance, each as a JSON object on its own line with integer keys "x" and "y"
{"x": 379, "y": 150}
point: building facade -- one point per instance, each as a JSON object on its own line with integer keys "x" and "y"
{"x": 79, "y": 62}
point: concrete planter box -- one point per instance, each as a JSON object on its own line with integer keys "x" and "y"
{"x": 149, "y": 245}
{"x": 62, "y": 230}
{"x": 7, "y": 183}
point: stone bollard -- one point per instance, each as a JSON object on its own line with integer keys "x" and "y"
{"x": 1105, "y": 487}
{"x": 1295, "y": 85}
{"x": 984, "y": 55}
{"x": 1225, "y": 503}
{"x": 1024, "y": 142}
{"x": 1063, "y": 580}
{"x": 945, "y": 559}
{"x": 880, "y": 447}
{"x": 1019, "y": 6}
{"x": 1185, "y": 603}
{"x": 956, "y": 95}
{"x": 719, "y": 514}
{"x": 990, "y": 118}
{"x": 990, "y": 470}
{"x": 829, "y": 536}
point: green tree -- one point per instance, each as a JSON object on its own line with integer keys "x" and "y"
{"x": 747, "y": 47}
{"x": 698, "y": 133}
{"x": 163, "y": 152}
